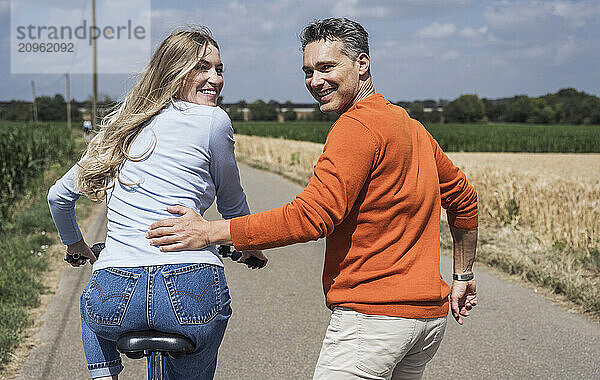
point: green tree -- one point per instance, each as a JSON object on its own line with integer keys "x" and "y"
{"x": 318, "y": 115}
{"x": 542, "y": 113}
{"x": 259, "y": 110}
{"x": 417, "y": 111}
{"x": 572, "y": 106}
{"x": 51, "y": 108}
{"x": 495, "y": 110}
{"x": 235, "y": 113}
{"x": 289, "y": 114}
{"x": 594, "y": 117}
{"x": 18, "y": 110}
{"x": 433, "y": 117}
{"x": 520, "y": 109}
{"x": 465, "y": 109}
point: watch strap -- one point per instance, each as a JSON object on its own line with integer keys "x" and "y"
{"x": 463, "y": 276}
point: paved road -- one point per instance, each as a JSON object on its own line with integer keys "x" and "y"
{"x": 279, "y": 320}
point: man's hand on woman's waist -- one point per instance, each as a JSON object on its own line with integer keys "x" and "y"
{"x": 190, "y": 231}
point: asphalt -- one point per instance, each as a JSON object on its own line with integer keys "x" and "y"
{"x": 279, "y": 320}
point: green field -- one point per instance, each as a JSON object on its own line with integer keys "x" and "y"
{"x": 26, "y": 152}
{"x": 460, "y": 137}
{"x": 32, "y": 157}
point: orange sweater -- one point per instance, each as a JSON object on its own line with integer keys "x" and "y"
{"x": 376, "y": 195}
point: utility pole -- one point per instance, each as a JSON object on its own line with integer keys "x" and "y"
{"x": 95, "y": 69}
{"x": 68, "y": 102}
{"x": 35, "y": 115}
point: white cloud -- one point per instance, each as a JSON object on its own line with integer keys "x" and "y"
{"x": 473, "y": 33}
{"x": 541, "y": 15}
{"x": 524, "y": 26}
{"x": 354, "y": 8}
{"x": 566, "y": 51}
{"x": 249, "y": 25}
{"x": 237, "y": 8}
{"x": 576, "y": 14}
{"x": 437, "y": 31}
{"x": 504, "y": 15}
{"x": 450, "y": 55}
{"x": 534, "y": 52}
{"x": 388, "y": 9}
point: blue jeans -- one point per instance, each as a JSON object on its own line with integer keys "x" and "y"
{"x": 187, "y": 299}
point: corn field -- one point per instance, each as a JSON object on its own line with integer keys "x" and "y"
{"x": 25, "y": 152}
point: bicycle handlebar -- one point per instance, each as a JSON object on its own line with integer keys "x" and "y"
{"x": 224, "y": 250}
{"x": 96, "y": 248}
{"x": 252, "y": 261}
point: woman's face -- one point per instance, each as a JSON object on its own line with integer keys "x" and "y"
{"x": 204, "y": 83}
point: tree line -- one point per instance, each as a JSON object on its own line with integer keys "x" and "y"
{"x": 260, "y": 110}
{"x": 567, "y": 106}
{"x": 51, "y": 108}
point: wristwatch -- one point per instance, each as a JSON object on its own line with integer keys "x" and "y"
{"x": 463, "y": 276}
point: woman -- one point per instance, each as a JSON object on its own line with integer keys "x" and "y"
{"x": 166, "y": 143}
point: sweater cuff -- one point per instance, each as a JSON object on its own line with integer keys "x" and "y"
{"x": 237, "y": 229}
{"x": 462, "y": 223}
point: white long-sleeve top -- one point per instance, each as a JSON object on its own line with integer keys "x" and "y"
{"x": 192, "y": 162}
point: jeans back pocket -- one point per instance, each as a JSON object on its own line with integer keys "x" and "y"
{"x": 108, "y": 295}
{"x": 194, "y": 292}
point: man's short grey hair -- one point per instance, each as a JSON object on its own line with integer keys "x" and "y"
{"x": 354, "y": 37}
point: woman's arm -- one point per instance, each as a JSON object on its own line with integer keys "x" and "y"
{"x": 62, "y": 197}
{"x": 231, "y": 200}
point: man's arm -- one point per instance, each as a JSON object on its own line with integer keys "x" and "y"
{"x": 460, "y": 201}
{"x": 340, "y": 173}
{"x": 463, "y": 296}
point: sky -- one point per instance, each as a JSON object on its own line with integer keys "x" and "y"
{"x": 419, "y": 49}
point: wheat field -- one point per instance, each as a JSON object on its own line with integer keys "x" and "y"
{"x": 539, "y": 213}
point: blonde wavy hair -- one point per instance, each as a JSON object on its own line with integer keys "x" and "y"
{"x": 160, "y": 83}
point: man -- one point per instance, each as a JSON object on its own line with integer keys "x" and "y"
{"x": 376, "y": 195}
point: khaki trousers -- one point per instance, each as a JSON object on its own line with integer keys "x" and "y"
{"x": 361, "y": 346}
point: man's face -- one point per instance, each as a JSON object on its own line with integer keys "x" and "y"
{"x": 331, "y": 77}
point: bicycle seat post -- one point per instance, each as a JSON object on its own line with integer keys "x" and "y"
{"x": 156, "y": 365}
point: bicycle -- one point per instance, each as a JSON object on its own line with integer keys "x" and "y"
{"x": 156, "y": 345}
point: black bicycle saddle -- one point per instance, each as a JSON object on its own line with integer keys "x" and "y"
{"x": 133, "y": 344}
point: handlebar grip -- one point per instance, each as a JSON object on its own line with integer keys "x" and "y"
{"x": 97, "y": 248}
{"x": 251, "y": 261}
{"x": 225, "y": 251}
{"x": 235, "y": 255}
{"x": 71, "y": 259}
{"x": 255, "y": 262}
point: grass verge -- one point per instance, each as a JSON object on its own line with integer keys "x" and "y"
{"x": 25, "y": 246}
